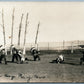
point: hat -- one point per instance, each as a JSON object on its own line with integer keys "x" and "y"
{"x": 2, "y": 48}
{"x": 13, "y": 46}
{"x": 20, "y": 52}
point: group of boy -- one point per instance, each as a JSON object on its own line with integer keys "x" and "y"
{"x": 17, "y": 55}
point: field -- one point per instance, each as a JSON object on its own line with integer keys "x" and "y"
{"x": 44, "y": 70}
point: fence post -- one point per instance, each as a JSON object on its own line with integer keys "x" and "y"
{"x": 71, "y": 47}
{"x": 37, "y": 47}
{"x": 48, "y": 46}
{"x": 63, "y": 44}
{"x": 78, "y": 44}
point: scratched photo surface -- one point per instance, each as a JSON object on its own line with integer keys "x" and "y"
{"x": 41, "y": 41}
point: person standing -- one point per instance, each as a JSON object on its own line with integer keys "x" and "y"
{"x": 3, "y": 56}
{"x": 14, "y": 54}
{"x": 82, "y": 59}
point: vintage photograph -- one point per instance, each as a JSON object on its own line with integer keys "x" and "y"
{"x": 42, "y": 42}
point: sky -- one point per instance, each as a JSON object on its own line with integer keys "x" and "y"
{"x": 58, "y": 21}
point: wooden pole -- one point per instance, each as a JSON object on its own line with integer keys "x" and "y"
{"x": 4, "y": 32}
{"x": 48, "y": 46}
{"x": 78, "y": 44}
{"x": 20, "y": 26}
{"x": 25, "y": 34}
{"x": 12, "y": 27}
{"x": 37, "y": 35}
{"x": 63, "y": 44}
{"x": 72, "y": 47}
{"x": 3, "y": 28}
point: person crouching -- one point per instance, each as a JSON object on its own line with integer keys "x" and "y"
{"x": 35, "y": 53}
{"x": 60, "y": 59}
{"x": 22, "y": 58}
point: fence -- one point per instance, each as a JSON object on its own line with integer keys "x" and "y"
{"x": 60, "y": 45}
{"x": 55, "y": 45}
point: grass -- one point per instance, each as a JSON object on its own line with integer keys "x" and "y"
{"x": 45, "y": 70}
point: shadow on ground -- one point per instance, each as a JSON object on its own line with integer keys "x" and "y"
{"x": 70, "y": 63}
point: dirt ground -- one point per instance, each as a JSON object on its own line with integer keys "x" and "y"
{"x": 44, "y": 70}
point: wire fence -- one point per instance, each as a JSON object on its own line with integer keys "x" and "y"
{"x": 55, "y": 45}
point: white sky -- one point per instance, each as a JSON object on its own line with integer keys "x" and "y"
{"x": 58, "y": 21}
